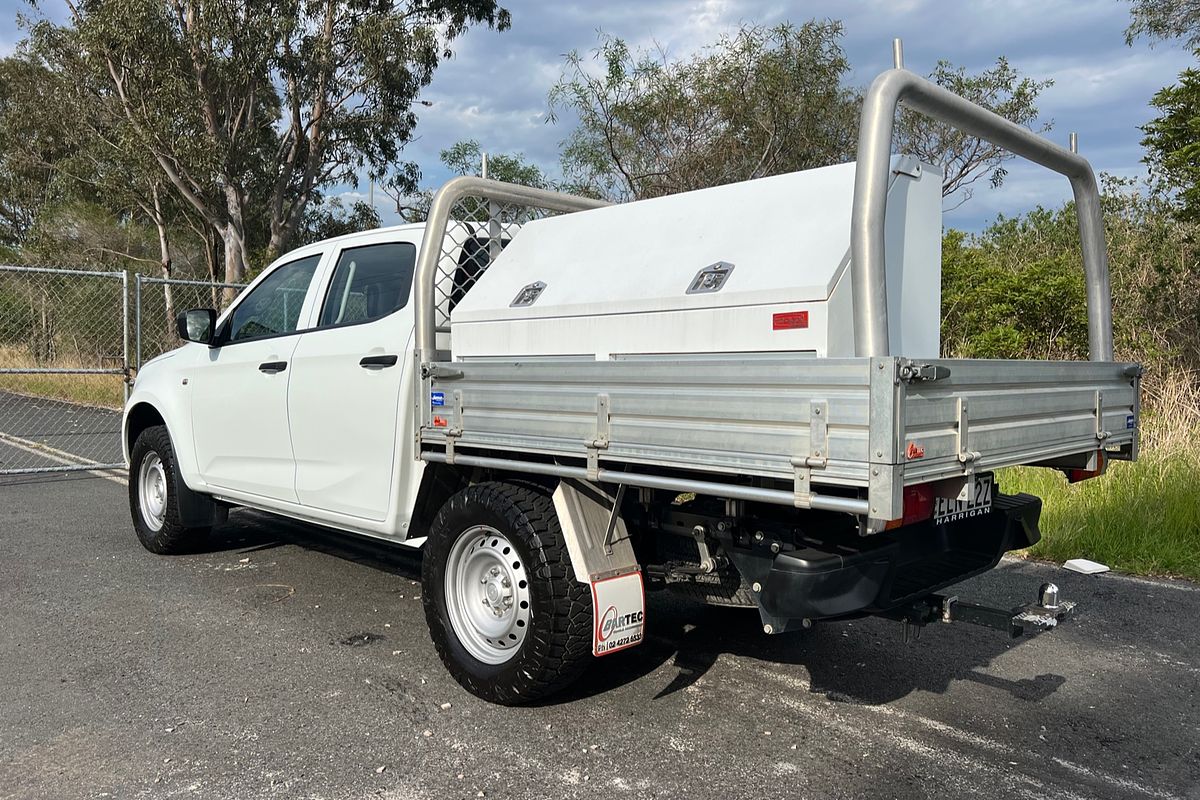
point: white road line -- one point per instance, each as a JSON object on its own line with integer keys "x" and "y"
{"x": 61, "y": 456}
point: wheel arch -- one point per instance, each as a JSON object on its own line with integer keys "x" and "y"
{"x": 440, "y": 482}
{"x": 583, "y": 510}
{"x": 195, "y": 508}
{"x": 139, "y": 417}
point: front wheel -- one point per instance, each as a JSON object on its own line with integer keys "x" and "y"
{"x": 505, "y": 612}
{"x": 154, "y": 493}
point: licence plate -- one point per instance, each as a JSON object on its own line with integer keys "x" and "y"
{"x": 977, "y": 503}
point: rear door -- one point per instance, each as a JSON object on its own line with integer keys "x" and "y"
{"x": 239, "y": 394}
{"x": 344, "y": 393}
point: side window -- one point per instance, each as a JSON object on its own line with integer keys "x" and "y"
{"x": 273, "y": 307}
{"x": 369, "y": 283}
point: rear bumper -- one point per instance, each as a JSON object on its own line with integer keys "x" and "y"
{"x": 893, "y": 569}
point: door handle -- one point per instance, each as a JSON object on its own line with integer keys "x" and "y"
{"x": 378, "y": 362}
{"x": 271, "y": 367}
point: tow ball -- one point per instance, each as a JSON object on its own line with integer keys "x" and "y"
{"x": 1042, "y": 615}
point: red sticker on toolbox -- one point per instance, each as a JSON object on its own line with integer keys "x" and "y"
{"x": 789, "y": 320}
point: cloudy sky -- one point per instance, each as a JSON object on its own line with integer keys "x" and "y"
{"x": 494, "y": 90}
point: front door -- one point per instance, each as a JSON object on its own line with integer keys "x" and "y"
{"x": 344, "y": 395}
{"x": 239, "y": 394}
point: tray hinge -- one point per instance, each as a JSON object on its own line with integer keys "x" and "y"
{"x": 455, "y": 429}
{"x": 1101, "y": 434}
{"x": 601, "y": 440}
{"x": 966, "y": 456}
{"x": 818, "y": 452}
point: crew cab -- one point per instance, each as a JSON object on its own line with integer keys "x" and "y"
{"x": 735, "y": 393}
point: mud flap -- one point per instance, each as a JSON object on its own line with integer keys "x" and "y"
{"x": 619, "y": 608}
{"x": 602, "y": 556}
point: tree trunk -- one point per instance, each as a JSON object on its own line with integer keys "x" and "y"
{"x": 164, "y": 250}
{"x": 235, "y": 265}
{"x": 233, "y": 233}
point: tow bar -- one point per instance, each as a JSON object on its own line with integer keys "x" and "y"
{"x": 1042, "y": 615}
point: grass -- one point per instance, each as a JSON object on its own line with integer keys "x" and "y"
{"x": 1141, "y": 517}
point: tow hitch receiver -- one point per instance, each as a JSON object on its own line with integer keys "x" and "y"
{"x": 1041, "y": 615}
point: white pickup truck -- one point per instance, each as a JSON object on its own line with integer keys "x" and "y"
{"x": 734, "y": 393}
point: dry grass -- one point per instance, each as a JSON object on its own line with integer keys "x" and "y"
{"x": 106, "y": 391}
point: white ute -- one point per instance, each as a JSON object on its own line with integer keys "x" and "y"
{"x": 733, "y": 393}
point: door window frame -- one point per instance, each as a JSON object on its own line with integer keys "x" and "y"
{"x": 326, "y": 273}
{"x": 328, "y": 279}
{"x": 225, "y": 323}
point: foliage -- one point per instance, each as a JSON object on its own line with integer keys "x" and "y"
{"x": 247, "y": 110}
{"x": 25, "y": 181}
{"x": 760, "y": 102}
{"x": 1165, "y": 19}
{"x": 332, "y": 218}
{"x": 1035, "y": 309}
{"x": 966, "y": 159}
{"x": 466, "y": 158}
{"x": 1015, "y": 290}
{"x": 1173, "y": 142}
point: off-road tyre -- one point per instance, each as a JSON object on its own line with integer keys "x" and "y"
{"x": 557, "y": 646}
{"x": 171, "y": 537}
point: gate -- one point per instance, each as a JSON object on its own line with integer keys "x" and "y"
{"x": 64, "y": 368}
{"x": 156, "y": 301}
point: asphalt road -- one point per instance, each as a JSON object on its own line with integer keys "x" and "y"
{"x": 37, "y": 431}
{"x": 284, "y": 663}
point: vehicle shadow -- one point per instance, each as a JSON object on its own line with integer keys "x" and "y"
{"x": 254, "y": 531}
{"x": 859, "y": 661}
{"x": 862, "y": 661}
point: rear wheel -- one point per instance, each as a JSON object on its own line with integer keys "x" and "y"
{"x": 505, "y": 612}
{"x": 153, "y": 495}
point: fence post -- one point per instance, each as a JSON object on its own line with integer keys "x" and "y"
{"x": 137, "y": 325}
{"x": 125, "y": 329}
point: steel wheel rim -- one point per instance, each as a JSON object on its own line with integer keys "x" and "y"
{"x": 487, "y": 594}
{"x": 152, "y": 491}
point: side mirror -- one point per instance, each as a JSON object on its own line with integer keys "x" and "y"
{"x": 196, "y": 325}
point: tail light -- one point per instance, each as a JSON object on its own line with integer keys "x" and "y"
{"x": 918, "y": 506}
{"x": 1077, "y": 475}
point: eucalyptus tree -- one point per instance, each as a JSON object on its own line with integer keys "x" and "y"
{"x": 758, "y": 102}
{"x": 248, "y": 108}
{"x": 964, "y": 158}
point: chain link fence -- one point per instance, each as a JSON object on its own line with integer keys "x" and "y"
{"x": 157, "y": 301}
{"x": 71, "y": 340}
{"x": 64, "y": 355}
